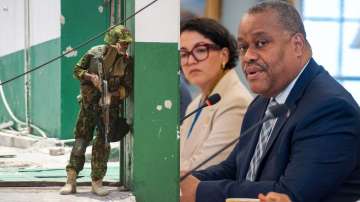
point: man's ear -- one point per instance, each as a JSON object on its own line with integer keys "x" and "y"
{"x": 299, "y": 44}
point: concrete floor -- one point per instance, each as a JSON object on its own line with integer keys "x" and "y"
{"x": 34, "y": 166}
{"x": 51, "y": 194}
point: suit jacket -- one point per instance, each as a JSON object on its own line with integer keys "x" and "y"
{"x": 216, "y": 126}
{"x": 312, "y": 155}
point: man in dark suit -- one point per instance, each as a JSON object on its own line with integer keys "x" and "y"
{"x": 313, "y": 153}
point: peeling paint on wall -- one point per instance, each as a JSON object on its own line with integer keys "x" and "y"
{"x": 70, "y": 54}
{"x": 168, "y": 104}
{"x": 159, "y": 133}
{"x": 62, "y": 20}
{"x": 159, "y": 107}
{"x": 101, "y": 9}
{"x": 177, "y": 133}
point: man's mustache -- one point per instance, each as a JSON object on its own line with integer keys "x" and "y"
{"x": 263, "y": 67}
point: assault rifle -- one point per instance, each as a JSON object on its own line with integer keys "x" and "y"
{"x": 104, "y": 100}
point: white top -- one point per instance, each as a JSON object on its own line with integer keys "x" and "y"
{"x": 216, "y": 126}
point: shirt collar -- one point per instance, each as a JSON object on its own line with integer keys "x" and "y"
{"x": 282, "y": 96}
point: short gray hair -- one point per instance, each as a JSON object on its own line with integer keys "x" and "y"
{"x": 288, "y": 16}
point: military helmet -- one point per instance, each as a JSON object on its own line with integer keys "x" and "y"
{"x": 118, "y": 34}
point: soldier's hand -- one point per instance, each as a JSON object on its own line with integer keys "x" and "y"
{"x": 95, "y": 81}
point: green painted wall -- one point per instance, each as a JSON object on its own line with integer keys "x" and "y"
{"x": 156, "y": 146}
{"x": 54, "y": 85}
{"x": 45, "y": 87}
{"x": 12, "y": 65}
{"x": 82, "y": 21}
{"x": 126, "y": 147}
{"x": 45, "y": 82}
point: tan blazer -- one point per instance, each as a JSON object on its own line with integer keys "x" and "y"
{"x": 216, "y": 126}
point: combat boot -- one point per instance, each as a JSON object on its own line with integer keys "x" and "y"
{"x": 98, "y": 189}
{"x": 70, "y": 186}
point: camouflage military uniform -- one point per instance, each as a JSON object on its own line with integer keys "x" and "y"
{"x": 117, "y": 70}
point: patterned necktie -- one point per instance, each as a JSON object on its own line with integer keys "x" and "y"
{"x": 261, "y": 145}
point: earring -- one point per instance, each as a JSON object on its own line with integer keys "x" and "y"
{"x": 222, "y": 66}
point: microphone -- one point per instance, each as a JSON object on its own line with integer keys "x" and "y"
{"x": 211, "y": 100}
{"x": 275, "y": 111}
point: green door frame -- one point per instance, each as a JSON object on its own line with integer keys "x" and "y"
{"x": 155, "y": 110}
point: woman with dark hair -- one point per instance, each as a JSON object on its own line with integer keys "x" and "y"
{"x": 208, "y": 56}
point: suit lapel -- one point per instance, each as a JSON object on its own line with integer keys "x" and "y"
{"x": 295, "y": 95}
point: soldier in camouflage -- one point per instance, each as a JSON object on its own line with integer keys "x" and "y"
{"x": 117, "y": 68}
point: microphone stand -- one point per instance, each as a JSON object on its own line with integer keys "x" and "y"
{"x": 188, "y": 115}
{"x": 211, "y": 100}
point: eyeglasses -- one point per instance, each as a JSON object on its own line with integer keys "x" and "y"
{"x": 200, "y": 52}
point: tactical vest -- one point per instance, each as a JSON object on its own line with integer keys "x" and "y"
{"x": 116, "y": 70}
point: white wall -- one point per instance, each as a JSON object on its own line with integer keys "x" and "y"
{"x": 44, "y": 23}
{"x": 159, "y": 22}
